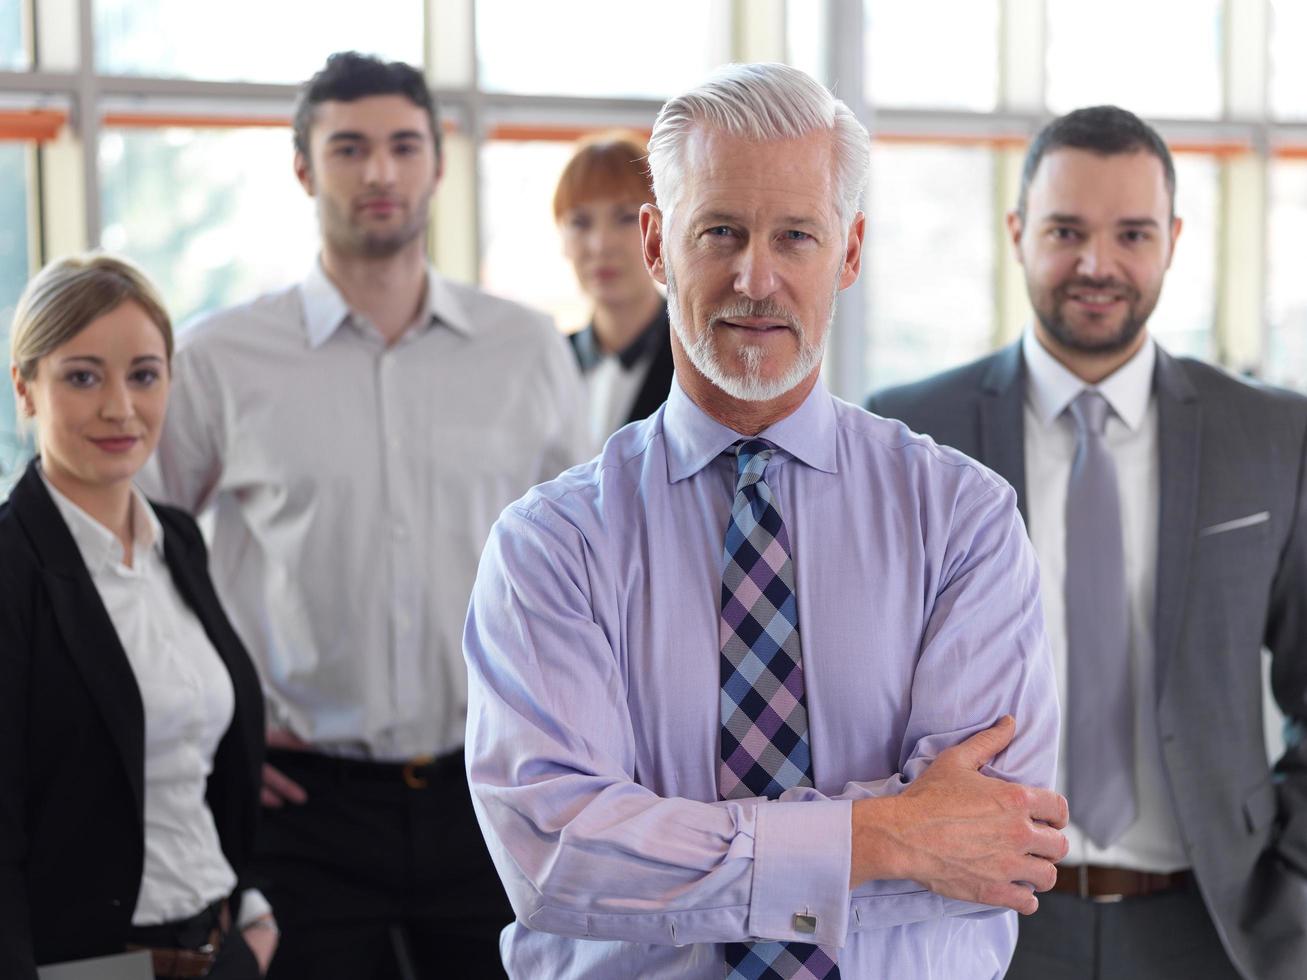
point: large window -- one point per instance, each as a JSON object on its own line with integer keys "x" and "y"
{"x": 14, "y": 259}
{"x": 235, "y": 222}
{"x": 1184, "y": 322}
{"x": 249, "y": 40}
{"x": 13, "y": 48}
{"x": 1286, "y": 354}
{"x": 1161, "y": 58}
{"x": 931, "y": 243}
{"x": 521, "y": 254}
{"x": 185, "y": 175}
{"x": 957, "y": 69}
{"x": 598, "y": 47}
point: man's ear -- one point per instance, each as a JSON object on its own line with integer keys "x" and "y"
{"x": 1015, "y": 226}
{"x": 304, "y": 173}
{"x": 651, "y": 237}
{"x": 853, "y": 251}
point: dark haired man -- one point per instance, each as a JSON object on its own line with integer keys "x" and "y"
{"x": 1167, "y": 504}
{"x": 357, "y": 434}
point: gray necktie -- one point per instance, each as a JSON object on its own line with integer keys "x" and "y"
{"x": 1100, "y": 721}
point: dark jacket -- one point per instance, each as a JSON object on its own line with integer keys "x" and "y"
{"x": 72, "y": 734}
{"x": 655, "y": 338}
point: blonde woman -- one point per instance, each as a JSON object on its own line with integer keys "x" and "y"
{"x": 131, "y": 719}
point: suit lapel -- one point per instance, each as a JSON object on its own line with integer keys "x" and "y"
{"x": 1178, "y": 444}
{"x": 1002, "y": 439}
{"x": 91, "y": 640}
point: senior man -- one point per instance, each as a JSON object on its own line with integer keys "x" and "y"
{"x": 763, "y": 690}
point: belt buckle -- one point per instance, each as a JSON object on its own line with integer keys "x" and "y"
{"x": 1082, "y": 888}
{"x": 411, "y": 779}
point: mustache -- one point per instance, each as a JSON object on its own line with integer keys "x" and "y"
{"x": 764, "y": 308}
{"x": 1108, "y": 284}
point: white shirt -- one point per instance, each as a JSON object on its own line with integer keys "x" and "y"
{"x": 612, "y": 388}
{"x": 189, "y": 702}
{"x": 354, "y": 485}
{"x": 1152, "y": 842}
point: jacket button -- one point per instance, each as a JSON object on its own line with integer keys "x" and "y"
{"x": 115, "y": 902}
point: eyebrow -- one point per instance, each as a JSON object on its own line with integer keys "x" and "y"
{"x": 354, "y": 136}
{"x": 99, "y": 361}
{"x": 1059, "y": 218}
{"x": 726, "y": 217}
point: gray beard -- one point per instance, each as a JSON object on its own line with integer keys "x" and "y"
{"x": 748, "y": 385}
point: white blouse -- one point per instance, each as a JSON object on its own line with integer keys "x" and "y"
{"x": 189, "y": 703}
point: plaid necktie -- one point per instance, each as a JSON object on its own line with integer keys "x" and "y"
{"x": 764, "y": 742}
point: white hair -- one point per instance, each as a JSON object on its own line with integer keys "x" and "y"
{"x": 759, "y": 102}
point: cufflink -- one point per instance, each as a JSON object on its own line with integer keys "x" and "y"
{"x": 805, "y": 923}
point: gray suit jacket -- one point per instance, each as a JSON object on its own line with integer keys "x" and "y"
{"x": 1225, "y": 588}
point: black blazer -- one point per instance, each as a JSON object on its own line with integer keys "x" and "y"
{"x": 658, "y": 381}
{"x": 72, "y": 732}
{"x": 1231, "y": 579}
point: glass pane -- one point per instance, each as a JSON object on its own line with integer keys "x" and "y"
{"x": 1161, "y": 58}
{"x": 235, "y": 222}
{"x": 600, "y": 48}
{"x": 1286, "y": 353}
{"x": 931, "y": 216}
{"x": 14, "y": 258}
{"x": 522, "y": 256}
{"x": 249, "y": 40}
{"x": 912, "y": 62}
{"x": 1288, "y": 29}
{"x": 13, "y": 50}
{"x": 807, "y": 28}
{"x": 1185, "y": 318}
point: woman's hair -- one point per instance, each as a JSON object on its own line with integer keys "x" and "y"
{"x": 68, "y": 294}
{"x": 608, "y": 166}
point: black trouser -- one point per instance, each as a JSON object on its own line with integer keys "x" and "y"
{"x": 235, "y": 960}
{"x": 1168, "y": 936}
{"x": 376, "y": 869}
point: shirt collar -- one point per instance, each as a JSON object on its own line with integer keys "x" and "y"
{"x": 325, "y": 308}
{"x": 100, "y": 547}
{"x": 645, "y": 342}
{"x": 695, "y": 439}
{"x": 1052, "y": 387}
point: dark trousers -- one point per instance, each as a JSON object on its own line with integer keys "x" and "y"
{"x": 235, "y": 960}
{"x": 1158, "y": 937}
{"x": 375, "y": 878}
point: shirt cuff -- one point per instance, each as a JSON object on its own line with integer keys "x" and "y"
{"x": 253, "y": 906}
{"x": 801, "y": 858}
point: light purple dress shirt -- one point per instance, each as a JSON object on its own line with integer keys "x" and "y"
{"x": 593, "y": 715}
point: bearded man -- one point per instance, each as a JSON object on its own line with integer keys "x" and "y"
{"x": 754, "y": 693}
{"x": 1166, "y": 502}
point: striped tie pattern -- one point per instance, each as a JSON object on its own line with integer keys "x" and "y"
{"x": 764, "y": 738}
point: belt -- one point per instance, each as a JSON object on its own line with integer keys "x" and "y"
{"x": 178, "y": 962}
{"x": 415, "y": 773}
{"x": 1100, "y": 884}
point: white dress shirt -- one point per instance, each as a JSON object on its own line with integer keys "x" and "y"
{"x": 354, "y": 484}
{"x": 189, "y": 702}
{"x": 1152, "y": 842}
{"x": 612, "y": 388}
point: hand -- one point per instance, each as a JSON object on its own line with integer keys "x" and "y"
{"x": 261, "y": 937}
{"x": 278, "y": 788}
{"x": 964, "y": 835}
